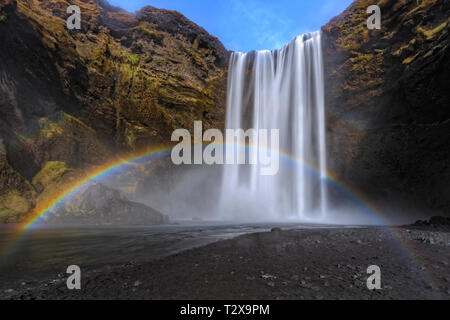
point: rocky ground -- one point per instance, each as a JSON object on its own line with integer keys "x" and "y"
{"x": 294, "y": 264}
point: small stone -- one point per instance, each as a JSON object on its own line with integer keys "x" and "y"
{"x": 428, "y": 286}
{"x": 268, "y": 277}
{"x": 137, "y": 283}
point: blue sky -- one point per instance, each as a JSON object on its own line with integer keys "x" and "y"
{"x": 244, "y": 25}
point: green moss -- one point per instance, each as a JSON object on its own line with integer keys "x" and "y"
{"x": 430, "y": 34}
{"x": 144, "y": 31}
{"x": 51, "y": 172}
{"x": 133, "y": 59}
{"x": 150, "y": 34}
{"x": 354, "y": 34}
{"x": 204, "y": 106}
{"x": 362, "y": 61}
{"x": 421, "y": 5}
{"x": 398, "y": 52}
{"x": 67, "y": 118}
{"x": 13, "y": 206}
{"x": 100, "y": 57}
{"x": 132, "y": 132}
{"x": 171, "y": 96}
{"x": 55, "y": 128}
{"x": 410, "y": 59}
{"x": 16, "y": 201}
{"x": 50, "y": 129}
{"x": 363, "y": 58}
{"x": 197, "y": 59}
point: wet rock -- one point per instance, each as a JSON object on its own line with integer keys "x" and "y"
{"x": 276, "y": 230}
{"x": 391, "y": 84}
{"x": 268, "y": 277}
{"x": 440, "y": 221}
{"x": 110, "y": 206}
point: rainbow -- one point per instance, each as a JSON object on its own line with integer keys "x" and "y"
{"x": 114, "y": 166}
{"x": 97, "y": 173}
{"x": 94, "y": 175}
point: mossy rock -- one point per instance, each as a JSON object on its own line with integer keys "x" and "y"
{"x": 52, "y": 172}
{"x": 17, "y": 195}
{"x": 14, "y": 206}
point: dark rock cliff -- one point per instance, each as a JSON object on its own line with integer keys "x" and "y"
{"x": 121, "y": 83}
{"x": 388, "y": 102}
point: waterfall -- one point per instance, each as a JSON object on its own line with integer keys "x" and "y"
{"x": 281, "y": 89}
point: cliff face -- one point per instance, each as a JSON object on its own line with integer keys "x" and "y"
{"x": 80, "y": 97}
{"x": 388, "y": 101}
{"x": 16, "y": 193}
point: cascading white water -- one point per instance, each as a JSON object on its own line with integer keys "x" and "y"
{"x": 281, "y": 89}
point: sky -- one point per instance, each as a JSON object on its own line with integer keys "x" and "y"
{"x": 245, "y": 25}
